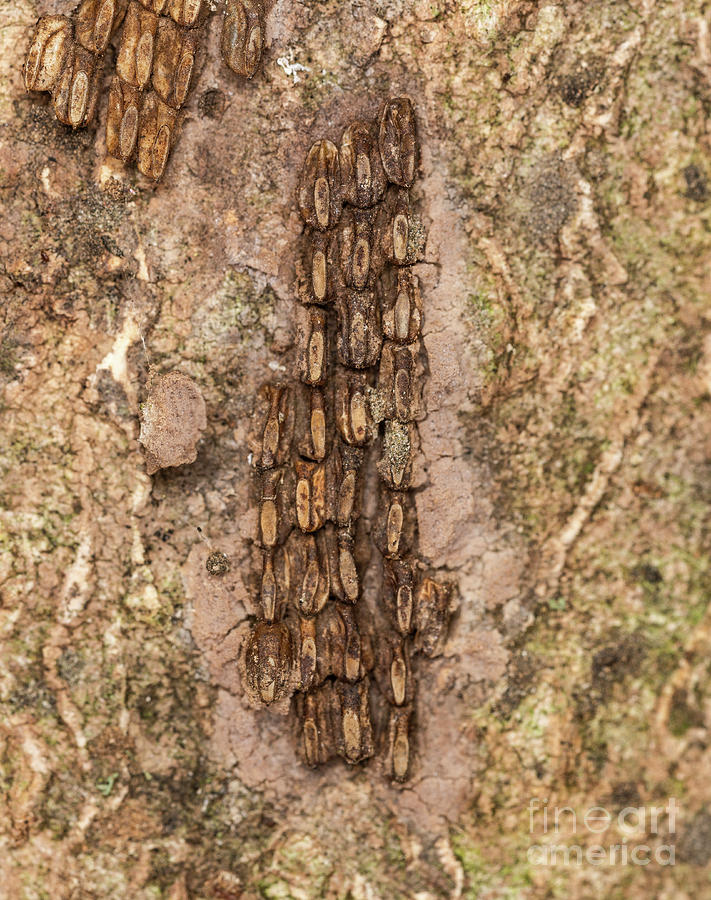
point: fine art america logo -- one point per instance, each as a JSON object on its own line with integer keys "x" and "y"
{"x": 635, "y": 836}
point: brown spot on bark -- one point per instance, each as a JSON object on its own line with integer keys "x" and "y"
{"x": 172, "y": 420}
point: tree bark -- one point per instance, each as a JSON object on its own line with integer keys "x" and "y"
{"x": 563, "y": 481}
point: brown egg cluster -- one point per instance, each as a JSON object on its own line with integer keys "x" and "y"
{"x": 359, "y": 382}
{"x": 154, "y": 67}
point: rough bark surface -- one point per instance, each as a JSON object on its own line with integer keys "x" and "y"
{"x": 564, "y": 479}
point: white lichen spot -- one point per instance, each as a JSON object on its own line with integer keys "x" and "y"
{"x": 116, "y": 360}
{"x": 75, "y": 592}
{"x": 140, "y": 257}
{"x": 550, "y": 27}
{"x": 291, "y": 67}
{"x": 144, "y": 596}
{"x": 34, "y": 752}
{"x": 482, "y": 18}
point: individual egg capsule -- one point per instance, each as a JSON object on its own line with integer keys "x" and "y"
{"x": 432, "y": 609}
{"x": 272, "y": 425}
{"x": 395, "y": 523}
{"x": 122, "y": 118}
{"x": 312, "y": 345}
{"x": 173, "y": 62}
{"x": 94, "y": 22}
{"x": 308, "y": 654}
{"x": 352, "y": 644}
{"x": 398, "y": 141}
{"x": 395, "y": 463}
{"x": 398, "y": 238}
{"x": 399, "y": 749}
{"x": 76, "y": 93}
{"x": 275, "y": 583}
{"x": 310, "y": 574}
{"x": 347, "y": 569}
{"x": 363, "y": 178}
{"x": 401, "y": 304}
{"x": 268, "y": 662}
{"x": 156, "y": 133}
{"x": 355, "y": 738}
{"x": 317, "y": 717}
{"x": 355, "y": 243}
{"x": 311, "y": 424}
{"x": 344, "y": 484}
{"x": 398, "y": 385}
{"x": 242, "y": 36}
{"x": 317, "y": 270}
{"x": 134, "y": 63}
{"x": 330, "y": 643}
{"x": 188, "y": 13}
{"x": 400, "y": 680}
{"x": 50, "y": 44}
{"x": 359, "y": 332}
{"x": 310, "y": 500}
{"x": 352, "y": 410}
{"x": 270, "y": 519}
{"x": 318, "y": 191}
{"x": 398, "y": 599}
